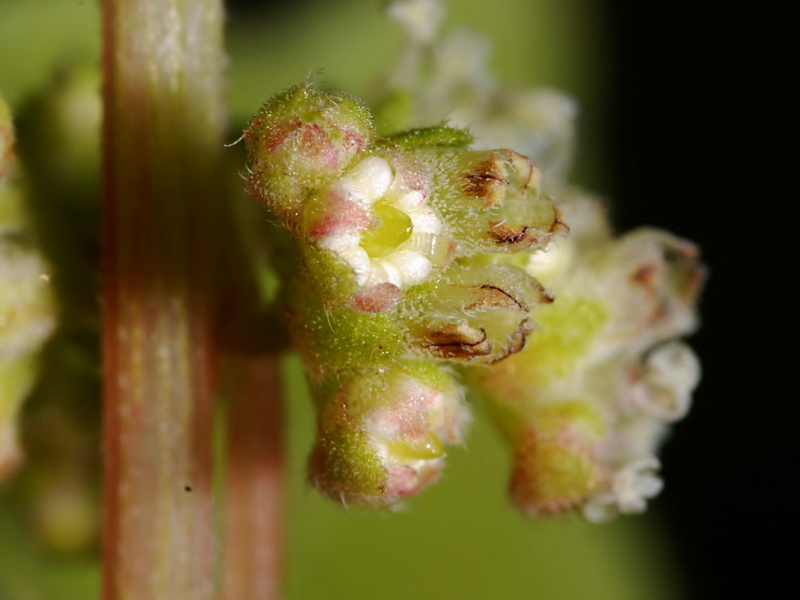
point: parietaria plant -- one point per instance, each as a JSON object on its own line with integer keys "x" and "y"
{"x": 434, "y": 268}
{"x": 441, "y": 259}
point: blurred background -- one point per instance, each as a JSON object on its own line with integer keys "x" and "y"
{"x": 652, "y": 84}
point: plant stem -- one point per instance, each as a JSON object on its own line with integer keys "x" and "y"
{"x": 254, "y": 486}
{"x": 162, "y": 63}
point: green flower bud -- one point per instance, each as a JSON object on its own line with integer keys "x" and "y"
{"x": 381, "y": 434}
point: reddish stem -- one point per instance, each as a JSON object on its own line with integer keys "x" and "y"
{"x": 162, "y": 64}
{"x": 254, "y": 485}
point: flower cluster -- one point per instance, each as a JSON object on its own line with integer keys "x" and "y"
{"x": 586, "y": 403}
{"x": 393, "y": 287}
{"x": 431, "y": 269}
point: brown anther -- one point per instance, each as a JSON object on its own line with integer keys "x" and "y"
{"x": 495, "y": 297}
{"x": 506, "y": 235}
{"x": 457, "y": 341}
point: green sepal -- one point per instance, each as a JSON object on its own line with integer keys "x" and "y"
{"x": 436, "y": 136}
{"x": 392, "y": 112}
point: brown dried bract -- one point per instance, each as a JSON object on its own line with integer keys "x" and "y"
{"x": 516, "y": 341}
{"x": 525, "y": 236}
{"x": 492, "y": 296}
{"x": 487, "y": 180}
{"x": 457, "y": 341}
{"x": 506, "y": 235}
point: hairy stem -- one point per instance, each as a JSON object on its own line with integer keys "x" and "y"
{"x": 162, "y": 140}
{"x": 253, "y": 483}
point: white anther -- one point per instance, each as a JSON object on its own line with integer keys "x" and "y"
{"x": 413, "y": 267}
{"x": 389, "y": 274}
{"x": 341, "y": 242}
{"x": 672, "y": 372}
{"x": 425, "y": 221}
{"x": 359, "y": 261}
{"x": 373, "y": 176}
{"x": 409, "y": 200}
{"x": 636, "y": 483}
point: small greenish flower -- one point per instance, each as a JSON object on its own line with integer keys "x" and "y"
{"x": 473, "y": 313}
{"x": 378, "y": 222}
{"x": 395, "y": 280}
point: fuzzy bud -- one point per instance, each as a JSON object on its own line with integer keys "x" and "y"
{"x": 300, "y": 139}
{"x": 556, "y": 463}
{"x": 381, "y": 435}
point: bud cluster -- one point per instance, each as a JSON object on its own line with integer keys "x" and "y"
{"x": 424, "y": 258}
{"x": 587, "y": 402}
{"x": 393, "y": 285}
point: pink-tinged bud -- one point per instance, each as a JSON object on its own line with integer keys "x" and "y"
{"x": 381, "y": 436}
{"x": 300, "y": 139}
{"x": 556, "y": 463}
{"x": 652, "y": 280}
